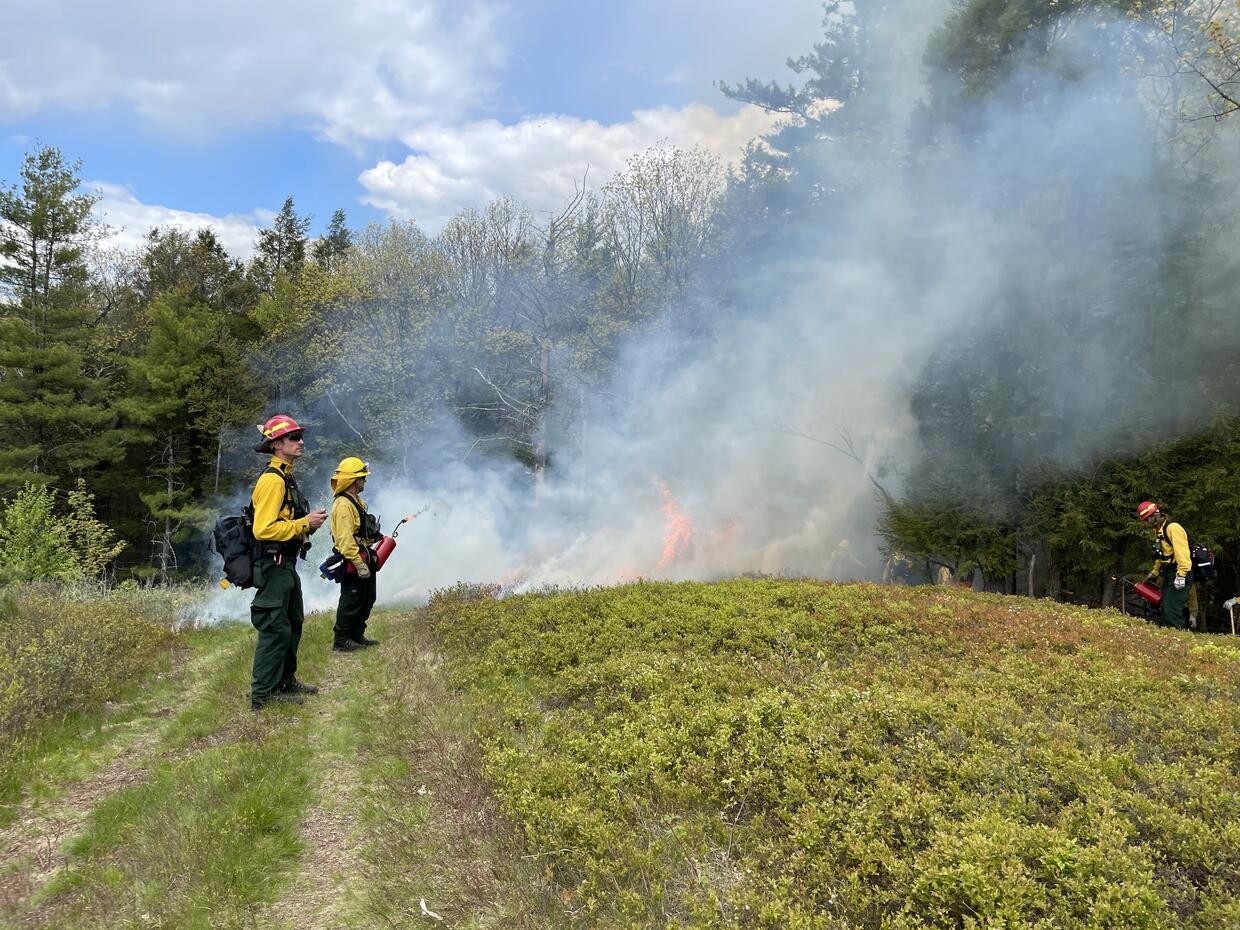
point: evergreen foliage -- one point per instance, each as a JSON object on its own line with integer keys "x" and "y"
{"x": 53, "y": 401}
{"x": 335, "y": 243}
{"x": 512, "y": 325}
{"x": 281, "y": 247}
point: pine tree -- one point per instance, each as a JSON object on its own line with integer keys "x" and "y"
{"x": 189, "y": 381}
{"x": 53, "y": 405}
{"x": 281, "y": 248}
{"x": 173, "y": 258}
{"x": 331, "y": 249}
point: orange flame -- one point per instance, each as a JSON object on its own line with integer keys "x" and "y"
{"x": 677, "y": 531}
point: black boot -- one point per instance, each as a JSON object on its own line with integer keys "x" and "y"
{"x": 347, "y": 645}
{"x": 366, "y": 641}
{"x": 299, "y": 687}
{"x": 260, "y": 703}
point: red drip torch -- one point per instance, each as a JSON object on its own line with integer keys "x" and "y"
{"x": 384, "y": 547}
{"x": 1149, "y": 592}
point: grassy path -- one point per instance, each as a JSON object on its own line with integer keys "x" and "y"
{"x": 436, "y": 852}
{"x": 181, "y": 808}
{"x": 82, "y": 762}
{"x": 321, "y": 888}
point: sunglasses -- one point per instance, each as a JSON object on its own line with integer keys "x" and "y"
{"x": 295, "y": 437}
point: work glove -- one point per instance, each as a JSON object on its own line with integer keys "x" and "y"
{"x": 1151, "y": 577}
{"x": 1229, "y": 604}
{"x": 363, "y": 570}
{"x": 1180, "y": 582}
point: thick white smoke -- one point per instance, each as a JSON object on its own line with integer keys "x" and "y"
{"x": 756, "y": 455}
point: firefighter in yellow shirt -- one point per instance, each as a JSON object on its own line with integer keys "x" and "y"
{"x": 1173, "y": 564}
{"x": 282, "y": 523}
{"x": 354, "y": 531}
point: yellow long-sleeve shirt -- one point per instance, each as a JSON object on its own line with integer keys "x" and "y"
{"x": 1173, "y": 541}
{"x": 273, "y": 513}
{"x": 347, "y": 527}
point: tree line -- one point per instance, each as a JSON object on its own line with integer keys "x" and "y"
{"x": 139, "y": 372}
{"x": 138, "y": 375}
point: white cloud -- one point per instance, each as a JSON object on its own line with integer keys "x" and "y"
{"x": 130, "y": 220}
{"x": 355, "y": 70}
{"x": 538, "y": 159}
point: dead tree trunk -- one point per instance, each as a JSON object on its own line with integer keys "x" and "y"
{"x": 219, "y": 452}
{"x": 1110, "y": 585}
{"x": 165, "y": 554}
{"x": 1054, "y": 578}
{"x": 544, "y": 396}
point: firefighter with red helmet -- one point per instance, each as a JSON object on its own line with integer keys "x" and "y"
{"x": 354, "y": 532}
{"x": 282, "y": 524}
{"x": 1173, "y": 564}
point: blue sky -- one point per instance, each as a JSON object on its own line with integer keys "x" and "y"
{"x": 411, "y": 109}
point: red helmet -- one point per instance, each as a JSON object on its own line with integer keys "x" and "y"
{"x": 275, "y": 428}
{"x": 1146, "y": 509}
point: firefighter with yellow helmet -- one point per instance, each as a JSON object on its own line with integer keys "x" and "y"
{"x": 282, "y": 524}
{"x": 354, "y": 532}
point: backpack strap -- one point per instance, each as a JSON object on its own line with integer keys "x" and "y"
{"x": 291, "y": 494}
{"x": 361, "y": 514}
{"x": 288, "y": 491}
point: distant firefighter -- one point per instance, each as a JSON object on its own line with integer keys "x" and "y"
{"x": 1173, "y": 564}
{"x": 899, "y": 569}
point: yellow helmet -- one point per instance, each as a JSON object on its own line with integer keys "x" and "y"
{"x": 351, "y": 469}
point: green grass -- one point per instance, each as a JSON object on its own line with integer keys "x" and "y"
{"x": 69, "y": 748}
{"x": 198, "y": 845}
{"x": 745, "y": 754}
{"x": 204, "y": 828}
{"x": 433, "y": 829}
{"x": 77, "y": 680}
{"x": 793, "y": 754}
{"x": 217, "y": 687}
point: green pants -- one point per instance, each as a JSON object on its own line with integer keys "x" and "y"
{"x": 357, "y": 597}
{"x": 1174, "y": 602}
{"x": 277, "y": 614}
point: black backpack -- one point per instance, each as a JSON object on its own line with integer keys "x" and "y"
{"x": 1204, "y": 571}
{"x": 234, "y": 535}
{"x": 234, "y": 541}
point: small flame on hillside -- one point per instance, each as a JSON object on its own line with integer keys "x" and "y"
{"x": 677, "y": 530}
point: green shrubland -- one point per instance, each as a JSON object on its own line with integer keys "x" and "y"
{"x": 795, "y": 754}
{"x": 59, "y": 655}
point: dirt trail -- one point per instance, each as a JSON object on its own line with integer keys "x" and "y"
{"x": 318, "y": 894}
{"x": 32, "y": 847}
